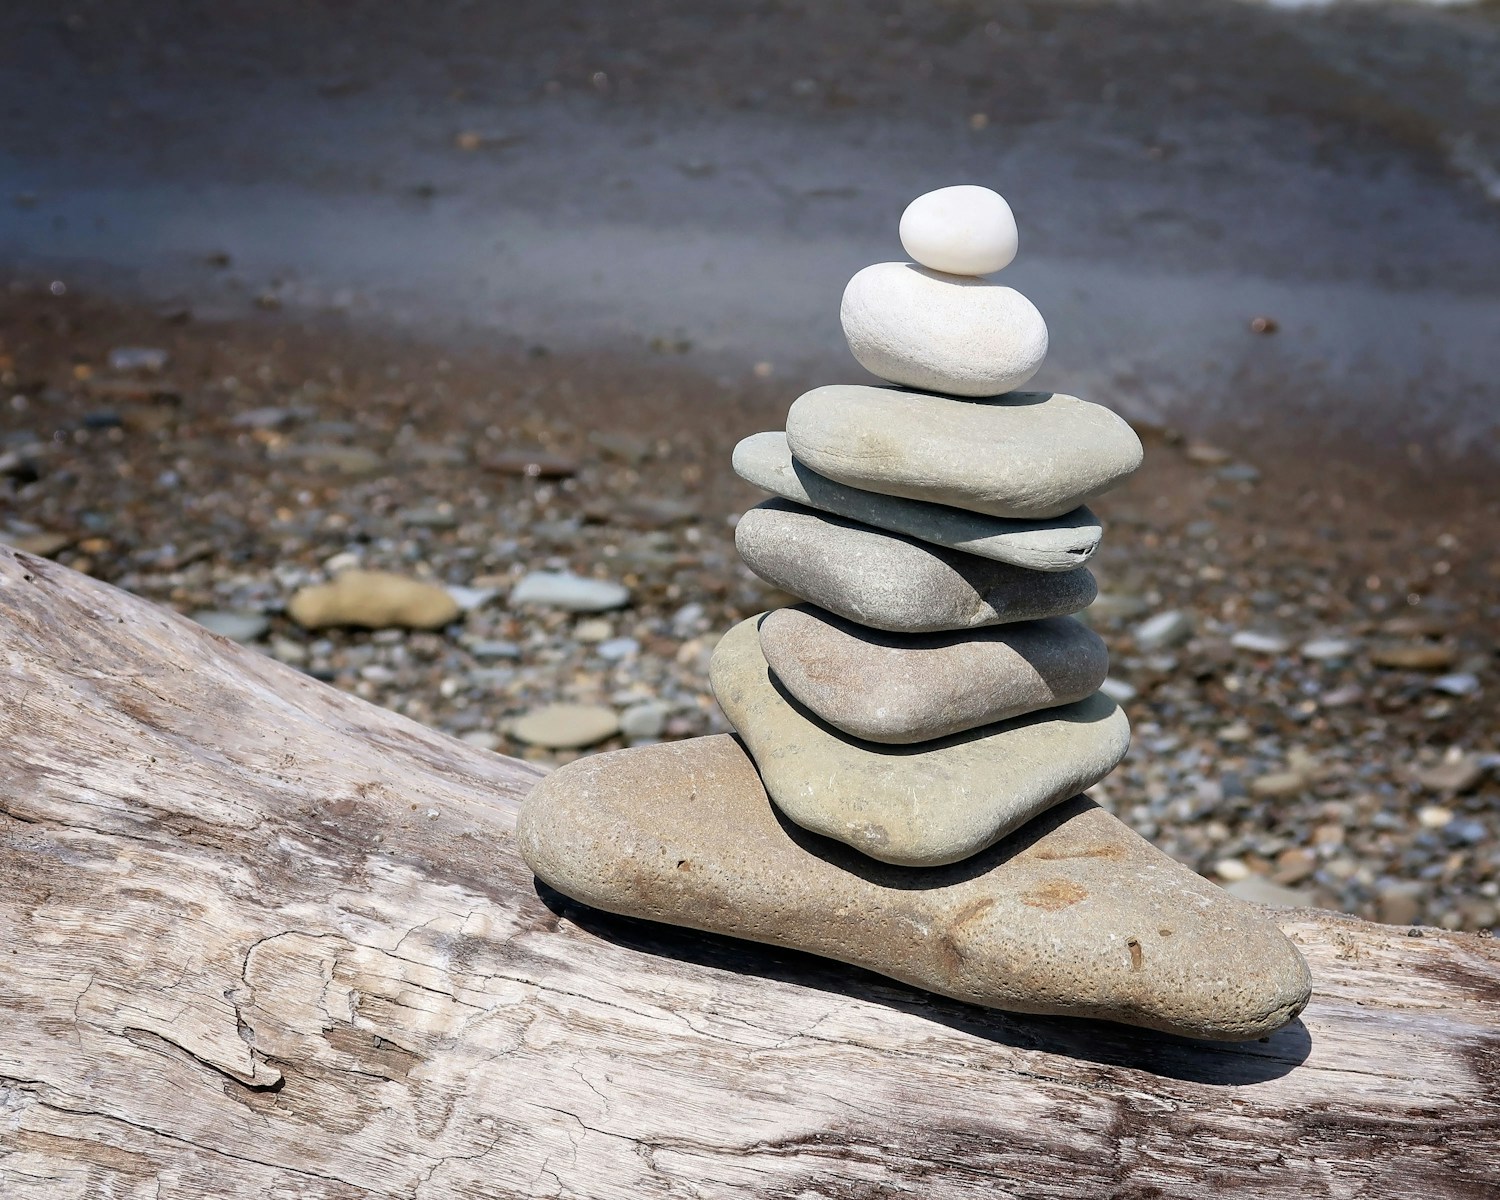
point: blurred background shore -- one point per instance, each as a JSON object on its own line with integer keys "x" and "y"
{"x": 470, "y": 291}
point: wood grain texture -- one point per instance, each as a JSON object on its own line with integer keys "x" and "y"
{"x": 261, "y": 939}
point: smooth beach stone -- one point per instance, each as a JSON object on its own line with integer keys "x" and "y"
{"x": 892, "y": 582}
{"x": 565, "y": 726}
{"x": 243, "y": 627}
{"x": 942, "y": 333}
{"x": 1072, "y": 915}
{"x": 1026, "y": 456}
{"x": 569, "y": 592}
{"x": 917, "y": 806}
{"x": 1059, "y": 544}
{"x": 373, "y": 600}
{"x": 962, "y": 230}
{"x": 912, "y": 687}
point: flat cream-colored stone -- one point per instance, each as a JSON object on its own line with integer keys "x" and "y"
{"x": 1058, "y": 544}
{"x": 1023, "y": 456}
{"x": 1072, "y": 915}
{"x": 925, "y": 805}
{"x": 890, "y": 581}
{"x": 565, "y": 726}
{"x": 914, "y": 687}
{"x": 373, "y": 600}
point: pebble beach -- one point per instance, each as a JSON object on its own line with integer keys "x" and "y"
{"x": 464, "y": 319}
{"x": 1305, "y": 650}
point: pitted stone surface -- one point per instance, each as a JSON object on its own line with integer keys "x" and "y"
{"x": 913, "y": 687}
{"x": 1024, "y": 456}
{"x": 942, "y": 333}
{"x": 921, "y": 805}
{"x": 889, "y": 581}
{"x": 1072, "y": 915}
{"x": 1057, "y": 544}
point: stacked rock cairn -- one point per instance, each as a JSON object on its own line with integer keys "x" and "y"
{"x": 913, "y": 741}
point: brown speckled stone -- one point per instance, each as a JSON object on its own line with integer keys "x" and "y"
{"x": 924, "y": 805}
{"x": 1074, "y": 914}
{"x": 912, "y": 687}
{"x": 889, "y": 581}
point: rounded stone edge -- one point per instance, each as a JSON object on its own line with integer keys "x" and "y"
{"x": 868, "y": 726}
{"x": 869, "y": 332}
{"x": 808, "y": 424}
{"x": 954, "y": 251}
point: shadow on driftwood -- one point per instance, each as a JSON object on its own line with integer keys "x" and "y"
{"x": 1100, "y": 1042}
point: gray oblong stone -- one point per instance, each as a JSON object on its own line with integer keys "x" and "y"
{"x": 1058, "y": 544}
{"x": 1024, "y": 455}
{"x": 242, "y": 627}
{"x": 913, "y": 687}
{"x": 920, "y": 806}
{"x": 893, "y": 582}
{"x": 1072, "y": 915}
{"x": 572, "y": 593}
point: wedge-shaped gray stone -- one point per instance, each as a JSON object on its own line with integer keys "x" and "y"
{"x": 890, "y": 581}
{"x": 1024, "y": 455}
{"x": 913, "y": 687}
{"x": 1059, "y": 544}
{"x": 1073, "y": 915}
{"x": 917, "y": 806}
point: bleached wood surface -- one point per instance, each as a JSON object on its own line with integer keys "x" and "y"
{"x": 261, "y": 939}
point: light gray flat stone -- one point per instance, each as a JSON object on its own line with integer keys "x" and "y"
{"x": 1072, "y": 915}
{"x": 920, "y": 806}
{"x": 942, "y": 333}
{"x": 243, "y": 627}
{"x": 1058, "y": 544}
{"x": 901, "y": 688}
{"x": 572, "y": 593}
{"x": 1023, "y": 456}
{"x": 897, "y": 583}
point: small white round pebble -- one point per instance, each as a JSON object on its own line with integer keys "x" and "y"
{"x": 964, "y": 230}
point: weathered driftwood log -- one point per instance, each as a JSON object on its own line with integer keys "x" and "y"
{"x": 261, "y": 939}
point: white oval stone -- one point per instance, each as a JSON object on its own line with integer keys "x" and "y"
{"x": 942, "y": 333}
{"x": 964, "y": 230}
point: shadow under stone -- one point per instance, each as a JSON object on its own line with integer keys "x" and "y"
{"x": 1104, "y": 1043}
